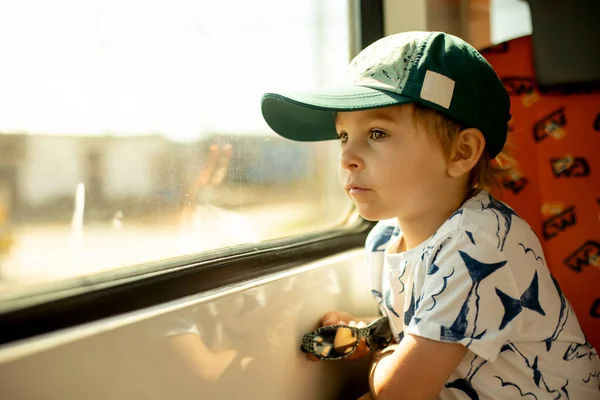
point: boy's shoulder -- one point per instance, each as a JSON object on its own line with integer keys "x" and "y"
{"x": 488, "y": 218}
{"x": 481, "y": 216}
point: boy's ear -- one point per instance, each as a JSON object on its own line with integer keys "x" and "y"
{"x": 468, "y": 146}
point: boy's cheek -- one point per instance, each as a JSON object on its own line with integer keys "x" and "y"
{"x": 342, "y": 176}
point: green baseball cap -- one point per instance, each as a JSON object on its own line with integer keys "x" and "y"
{"x": 435, "y": 69}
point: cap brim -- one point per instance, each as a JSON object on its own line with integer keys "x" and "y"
{"x": 310, "y": 116}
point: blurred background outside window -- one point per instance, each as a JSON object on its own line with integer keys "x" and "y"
{"x": 130, "y": 130}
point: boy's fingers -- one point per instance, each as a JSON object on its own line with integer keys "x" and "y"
{"x": 359, "y": 324}
{"x": 328, "y": 319}
{"x": 335, "y": 317}
{"x": 333, "y": 320}
{"x": 362, "y": 350}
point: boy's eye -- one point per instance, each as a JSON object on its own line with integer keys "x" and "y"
{"x": 377, "y": 135}
{"x": 343, "y": 137}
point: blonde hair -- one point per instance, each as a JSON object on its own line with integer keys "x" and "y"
{"x": 487, "y": 173}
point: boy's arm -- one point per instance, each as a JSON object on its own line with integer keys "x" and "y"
{"x": 415, "y": 369}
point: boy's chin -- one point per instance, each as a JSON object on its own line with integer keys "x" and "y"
{"x": 373, "y": 215}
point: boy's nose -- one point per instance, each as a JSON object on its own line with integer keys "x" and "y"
{"x": 351, "y": 161}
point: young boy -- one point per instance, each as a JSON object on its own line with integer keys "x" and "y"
{"x": 460, "y": 275}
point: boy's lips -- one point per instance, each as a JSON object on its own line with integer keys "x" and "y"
{"x": 356, "y": 189}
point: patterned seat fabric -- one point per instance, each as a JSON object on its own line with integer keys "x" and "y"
{"x": 555, "y": 139}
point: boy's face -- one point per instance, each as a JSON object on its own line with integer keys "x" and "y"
{"x": 388, "y": 166}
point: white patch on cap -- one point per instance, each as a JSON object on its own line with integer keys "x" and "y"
{"x": 437, "y": 89}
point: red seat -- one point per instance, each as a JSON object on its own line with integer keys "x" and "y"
{"x": 555, "y": 139}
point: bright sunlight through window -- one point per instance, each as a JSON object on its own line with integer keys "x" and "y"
{"x": 130, "y": 131}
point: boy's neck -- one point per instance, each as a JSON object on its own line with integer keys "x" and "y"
{"x": 418, "y": 229}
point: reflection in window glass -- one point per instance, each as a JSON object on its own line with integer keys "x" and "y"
{"x": 131, "y": 131}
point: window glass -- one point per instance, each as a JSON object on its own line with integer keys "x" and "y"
{"x": 509, "y": 19}
{"x": 130, "y": 130}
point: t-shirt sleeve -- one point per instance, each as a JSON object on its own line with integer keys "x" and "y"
{"x": 468, "y": 295}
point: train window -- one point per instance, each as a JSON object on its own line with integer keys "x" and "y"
{"x": 130, "y": 131}
{"x": 509, "y": 19}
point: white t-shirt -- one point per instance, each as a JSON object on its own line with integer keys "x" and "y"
{"x": 481, "y": 280}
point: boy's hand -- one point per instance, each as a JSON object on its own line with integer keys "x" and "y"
{"x": 343, "y": 318}
{"x": 336, "y": 317}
